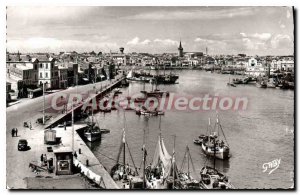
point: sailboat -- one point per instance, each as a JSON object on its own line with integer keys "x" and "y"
{"x": 162, "y": 172}
{"x": 186, "y": 181}
{"x": 122, "y": 173}
{"x": 212, "y": 146}
{"x": 156, "y": 92}
{"x": 93, "y": 132}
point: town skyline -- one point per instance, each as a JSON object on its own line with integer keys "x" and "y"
{"x": 223, "y": 30}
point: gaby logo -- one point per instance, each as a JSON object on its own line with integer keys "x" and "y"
{"x": 271, "y": 165}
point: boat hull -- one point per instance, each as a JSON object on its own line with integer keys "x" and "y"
{"x": 91, "y": 137}
{"x": 213, "y": 179}
{"x": 221, "y": 153}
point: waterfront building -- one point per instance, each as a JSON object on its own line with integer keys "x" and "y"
{"x": 48, "y": 72}
{"x": 120, "y": 59}
{"x": 63, "y": 76}
{"x": 255, "y": 68}
{"x": 22, "y": 68}
{"x": 286, "y": 65}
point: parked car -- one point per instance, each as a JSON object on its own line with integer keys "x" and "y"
{"x": 22, "y": 144}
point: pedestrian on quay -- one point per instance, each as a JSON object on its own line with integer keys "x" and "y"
{"x": 16, "y": 132}
{"x": 75, "y": 154}
{"x": 13, "y": 132}
{"x": 45, "y": 159}
{"x": 30, "y": 125}
{"x": 65, "y": 125}
{"x": 42, "y": 159}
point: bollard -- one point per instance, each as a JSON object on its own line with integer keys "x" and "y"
{"x": 79, "y": 150}
{"x": 87, "y": 162}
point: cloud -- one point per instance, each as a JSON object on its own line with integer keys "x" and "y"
{"x": 261, "y": 36}
{"x": 281, "y": 40}
{"x": 166, "y": 41}
{"x": 201, "y": 13}
{"x": 250, "y": 43}
{"x": 44, "y": 44}
{"x": 136, "y": 41}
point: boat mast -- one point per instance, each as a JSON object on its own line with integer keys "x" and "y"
{"x": 124, "y": 143}
{"x": 174, "y": 162}
{"x": 214, "y": 153}
{"x": 144, "y": 161}
{"x": 188, "y": 152}
{"x": 209, "y": 130}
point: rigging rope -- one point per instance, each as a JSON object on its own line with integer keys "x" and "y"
{"x": 224, "y": 135}
{"x": 131, "y": 158}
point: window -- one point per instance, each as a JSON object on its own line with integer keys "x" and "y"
{"x": 46, "y": 66}
{"x": 41, "y": 75}
{"x": 46, "y": 74}
{"x": 41, "y": 65}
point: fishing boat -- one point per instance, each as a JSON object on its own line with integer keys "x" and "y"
{"x": 230, "y": 83}
{"x": 200, "y": 140}
{"x": 126, "y": 176}
{"x": 211, "y": 178}
{"x": 92, "y": 132}
{"x": 186, "y": 181}
{"x": 144, "y": 111}
{"x": 261, "y": 83}
{"x": 154, "y": 92}
{"x": 131, "y": 77}
{"x": 165, "y": 79}
{"x": 197, "y": 141}
{"x": 162, "y": 172}
{"x": 271, "y": 83}
{"x": 212, "y": 146}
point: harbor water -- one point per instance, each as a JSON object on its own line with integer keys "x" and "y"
{"x": 260, "y": 134}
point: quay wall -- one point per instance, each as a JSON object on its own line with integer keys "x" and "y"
{"x": 98, "y": 95}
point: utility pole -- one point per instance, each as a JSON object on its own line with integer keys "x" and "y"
{"x": 72, "y": 127}
{"x": 44, "y": 99}
{"x": 43, "y": 103}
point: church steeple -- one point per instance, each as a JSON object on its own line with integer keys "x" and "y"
{"x": 180, "y": 50}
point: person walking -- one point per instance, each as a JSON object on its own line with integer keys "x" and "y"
{"x": 16, "y": 132}
{"x": 30, "y": 125}
{"x": 42, "y": 159}
{"x": 45, "y": 159}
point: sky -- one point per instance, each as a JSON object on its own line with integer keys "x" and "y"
{"x": 223, "y": 30}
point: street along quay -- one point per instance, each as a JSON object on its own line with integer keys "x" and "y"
{"x": 41, "y": 162}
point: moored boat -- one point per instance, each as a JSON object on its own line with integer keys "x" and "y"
{"x": 211, "y": 178}
{"x": 213, "y": 146}
{"x": 126, "y": 176}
